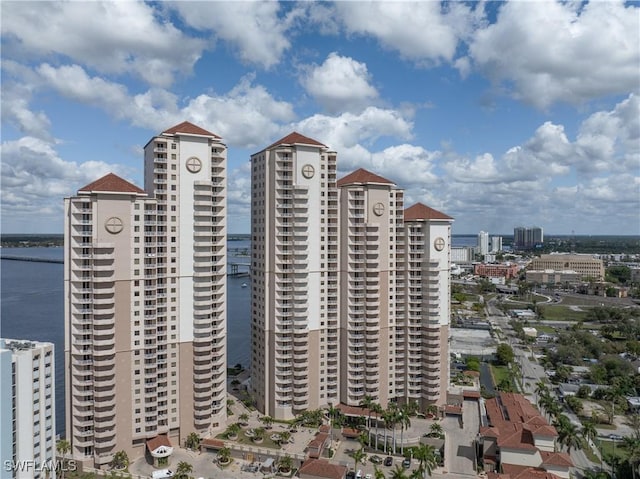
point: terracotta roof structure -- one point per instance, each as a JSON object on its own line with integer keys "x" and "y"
{"x": 556, "y": 458}
{"x": 296, "y": 138}
{"x": 112, "y": 184}
{"x": 513, "y": 471}
{"x": 362, "y": 177}
{"x": 156, "y": 442}
{"x": 190, "y": 129}
{"x": 423, "y": 212}
{"x": 212, "y": 444}
{"x": 317, "y": 444}
{"x": 321, "y": 469}
{"x": 354, "y": 410}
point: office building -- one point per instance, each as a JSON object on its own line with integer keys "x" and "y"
{"x": 496, "y": 270}
{"x": 145, "y": 300}
{"x": 585, "y": 265}
{"x": 294, "y": 261}
{"x": 370, "y": 231}
{"x": 483, "y": 243}
{"x": 422, "y": 367}
{"x": 27, "y": 409}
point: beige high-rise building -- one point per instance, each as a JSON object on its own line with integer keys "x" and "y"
{"x": 350, "y": 291}
{"x": 145, "y": 301}
{"x": 422, "y": 368}
{"x": 371, "y": 218}
{"x": 294, "y": 281}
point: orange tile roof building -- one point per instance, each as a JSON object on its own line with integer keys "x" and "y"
{"x": 493, "y": 270}
{"x": 519, "y": 443}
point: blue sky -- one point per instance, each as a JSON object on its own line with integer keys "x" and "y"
{"x": 498, "y": 114}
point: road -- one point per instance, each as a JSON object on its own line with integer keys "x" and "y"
{"x": 532, "y": 373}
{"x": 459, "y": 454}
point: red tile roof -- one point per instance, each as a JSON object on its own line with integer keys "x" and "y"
{"x": 514, "y": 471}
{"x": 296, "y": 138}
{"x": 317, "y": 444}
{"x": 423, "y": 212}
{"x": 212, "y": 443}
{"x": 556, "y": 458}
{"x": 189, "y": 129}
{"x": 113, "y": 184}
{"x": 323, "y": 469}
{"x": 156, "y": 442}
{"x": 362, "y": 177}
{"x": 354, "y": 410}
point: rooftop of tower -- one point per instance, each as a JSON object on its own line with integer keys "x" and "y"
{"x": 424, "y": 212}
{"x": 362, "y": 177}
{"x": 190, "y": 129}
{"x": 296, "y": 138}
{"x": 112, "y": 183}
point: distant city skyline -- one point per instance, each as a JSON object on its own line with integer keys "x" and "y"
{"x": 499, "y": 113}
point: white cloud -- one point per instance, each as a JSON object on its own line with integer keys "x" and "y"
{"x": 108, "y": 37}
{"x": 424, "y": 32}
{"x": 255, "y": 29}
{"x": 570, "y": 51}
{"x": 35, "y": 179}
{"x": 340, "y": 84}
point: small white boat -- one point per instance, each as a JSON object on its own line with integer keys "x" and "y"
{"x": 244, "y": 285}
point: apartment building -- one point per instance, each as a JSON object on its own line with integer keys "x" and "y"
{"x": 294, "y": 281}
{"x": 527, "y": 238}
{"x": 422, "y": 335}
{"x": 483, "y": 243}
{"x": 370, "y": 229}
{"x": 27, "y": 410}
{"x": 145, "y": 296}
{"x": 585, "y": 265}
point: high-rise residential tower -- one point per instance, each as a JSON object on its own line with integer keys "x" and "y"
{"x": 371, "y": 216}
{"x": 483, "y": 243}
{"x": 294, "y": 281}
{"x": 145, "y": 289}
{"x": 426, "y": 307}
{"x": 27, "y": 410}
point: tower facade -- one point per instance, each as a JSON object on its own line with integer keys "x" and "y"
{"x": 27, "y": 409}
{"x": 294, "y": 261}
{"x": 145, "y": 286}
{"x": 427, "y": 302}
{"x": 483, "y": 243}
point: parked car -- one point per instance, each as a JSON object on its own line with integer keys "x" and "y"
{"x": 406, "y": 463}
{"x": 376, "y": 459}
{"x": 388, "y": 461}
{"x": 615, "y": 437}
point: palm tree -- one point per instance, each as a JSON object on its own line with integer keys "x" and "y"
{"x": 358, "y": 457}
{"x": 284, "y": 437}
{"x": 426, "y": 454}
{"x": 435, "y": 430}
{"x": 568, "y": 435}
{"x": 609, "y": 410}
{"x": 285, "y": 463}
{"x": 405, "y": 422}
{"x": 632, "y": 445}
{"x": 183, "y": 470}
{"x": 377, "y": 408}
{"x": 258, "y": 434}
{"x": 120, "y": 460}
{"x": 267, "y": 421}
{"x": 378, "y": 474}
{"x": 224, "y": 455}
{"x": 243, "y": 418}
{"x": 541, "y": 389}
{"x": 367, "y": 403}
{"x": 233, "y": 430}
{"x": 589, "y": 430}
{"x": 394, "y": 418}
{"x": 399, "y": 473}
{"x": 192, "y": 441}
{"x": 63, "y": 447}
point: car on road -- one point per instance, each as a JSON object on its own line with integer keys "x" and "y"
{"x": 615, "y": 437}
{"x": 388, "y": 461}
{"x": 406, "y": 463}
{"x": 376, "y": 459}
{"x": 368, "y": 475}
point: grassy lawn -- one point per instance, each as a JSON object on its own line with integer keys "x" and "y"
{"x": 500, "y": 373}
{"x": 541, "y": 328}
{"x": 561, "y": 313}
{"x": 607, "y": 447}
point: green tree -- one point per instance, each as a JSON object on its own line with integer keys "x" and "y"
{"x": 367, "y": 403}
{"x": 399, "y": 473}
{"x": 404, "y": 420}
{"x": 426, "y": 454}
{"x": 285, "y": 463}
{"x": 183, "y": 470}
{"x": 435, "y": 430}
{"x": 193, "y": 441}
{"x": 232, "y": 431}
{"x": 472, "y": 363}
{"x": 378, "y": 474}
{"x": 589, "y": 430}
{"x": 224, "y": 455}
{"x": 120, "y": 460}
{"x": 267, "y": 421}
{"x": 358, "y": 457}
{"x": 504, "y": 354}
{"x": 575, "y": 404}
{"x": 568, "y": 435}
{"x": 63, "y": 447}
{"x": 243, "y": 418}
